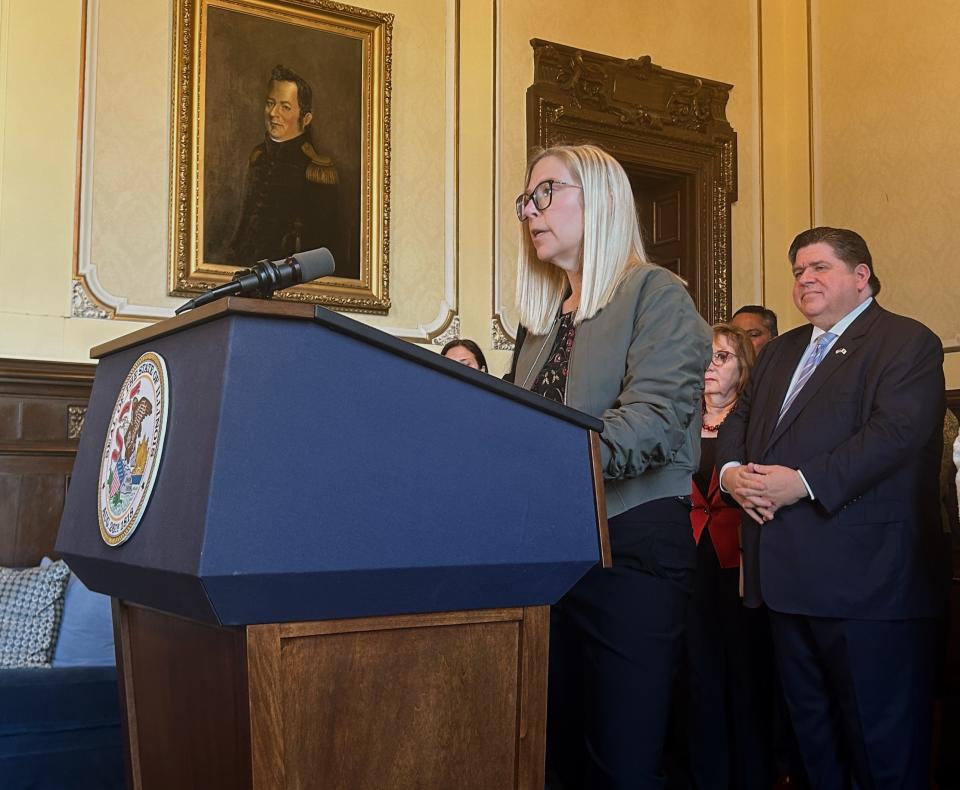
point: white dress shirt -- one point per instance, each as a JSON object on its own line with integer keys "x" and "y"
{"x": 956, "y": 464}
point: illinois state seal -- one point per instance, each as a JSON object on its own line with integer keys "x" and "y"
{"x": 131, "y": 452}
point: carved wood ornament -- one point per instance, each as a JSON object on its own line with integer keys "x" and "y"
{"x": 658, "y": 124}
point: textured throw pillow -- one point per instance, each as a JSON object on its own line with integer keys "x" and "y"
{"x": 31, "y": 605}
{"x": 86, "y": 631}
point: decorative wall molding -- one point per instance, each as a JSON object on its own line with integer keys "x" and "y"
{"x": 82, "y": 305}
{"x": 501, "y": 338}
{"x": 502, "y": 334}
{"x": 448, "y": 311}
{"x": 452, "y": 332}
{"x": 89, "y": 296}
{"x": 75, "y": 418}
{"x": 634, "y": 93}
{"x": 92, "y": 299}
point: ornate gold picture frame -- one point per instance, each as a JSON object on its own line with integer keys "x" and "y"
{"x": 281, "y": 142}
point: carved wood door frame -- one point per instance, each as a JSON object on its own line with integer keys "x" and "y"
{"x": 655, "y": 122}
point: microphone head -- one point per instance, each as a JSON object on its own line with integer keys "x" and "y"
{"x": 315, "y": 263}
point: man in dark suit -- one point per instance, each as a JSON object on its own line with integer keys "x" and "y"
{"x": 291, "y": 192}
{"x": 833, "y": 452}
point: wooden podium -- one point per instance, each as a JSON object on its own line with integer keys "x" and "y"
{"x": 342, "y": 576}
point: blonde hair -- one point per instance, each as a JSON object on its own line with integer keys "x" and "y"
{"x": 611, "y": 243}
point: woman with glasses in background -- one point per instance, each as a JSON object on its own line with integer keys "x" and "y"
{"x": 615, "y": 336}
{"x": 729, "y": 658}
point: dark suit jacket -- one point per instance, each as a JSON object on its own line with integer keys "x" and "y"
{"x": 290, "y": 204}
{"x": 866, "y": 431}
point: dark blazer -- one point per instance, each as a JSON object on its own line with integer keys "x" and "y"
{"x": 866, "y": 431}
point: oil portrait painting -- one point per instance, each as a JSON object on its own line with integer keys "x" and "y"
{"x": 286, "y": 143}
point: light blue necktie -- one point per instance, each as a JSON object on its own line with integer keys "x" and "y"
{"x": 819, "y": 349}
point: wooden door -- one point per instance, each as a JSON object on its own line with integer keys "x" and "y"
{"x": 667, "y": 220}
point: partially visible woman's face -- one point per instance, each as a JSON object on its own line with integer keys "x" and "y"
{"x": 721, "y": 378}
{"x": 557, "y": 231}
{"x": 464, "y": 356}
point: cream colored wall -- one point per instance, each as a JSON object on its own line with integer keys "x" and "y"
{"x": 39, "y": 90}
{"x": 886, "y": 153}
{"x": 458, "y": 149}
{"x": 860, "y": 110}
{"x": 458, "y": 91}
{"x": 785, "y": 148}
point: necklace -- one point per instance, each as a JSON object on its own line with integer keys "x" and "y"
{"x": 715, "y": 428}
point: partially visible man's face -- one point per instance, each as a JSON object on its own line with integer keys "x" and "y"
{"x": 756, "y": 329}
{"x": 825, "y": 289}
{"x": 281, "y": 114}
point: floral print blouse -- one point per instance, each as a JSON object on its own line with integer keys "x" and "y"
{"x": 551, "y": 381}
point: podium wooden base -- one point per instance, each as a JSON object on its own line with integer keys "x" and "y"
{"x": 446, "y": 700}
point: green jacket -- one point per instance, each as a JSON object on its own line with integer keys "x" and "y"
{"x": 638, "y": 365}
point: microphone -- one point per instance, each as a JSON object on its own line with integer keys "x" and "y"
{"x": 269, "y": 276}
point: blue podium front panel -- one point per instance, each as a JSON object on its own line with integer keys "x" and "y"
{"x": 309, "y": 474}
{"x": 164, "y": 553}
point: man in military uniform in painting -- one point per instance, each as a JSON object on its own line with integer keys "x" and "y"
{"x": 291, "y": 193}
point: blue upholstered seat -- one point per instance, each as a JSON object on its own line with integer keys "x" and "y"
{"x": 60, "y": 728}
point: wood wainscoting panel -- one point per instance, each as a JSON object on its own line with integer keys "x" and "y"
{"x": 32, "y": 492}
{"x": 39, "y": 404}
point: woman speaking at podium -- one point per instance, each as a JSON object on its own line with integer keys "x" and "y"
{"x": 615, "y": 336}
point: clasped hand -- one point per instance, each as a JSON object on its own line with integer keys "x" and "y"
{"x": 761, "y": 490}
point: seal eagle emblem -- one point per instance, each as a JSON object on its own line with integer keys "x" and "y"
{"x": 132, "y": 450}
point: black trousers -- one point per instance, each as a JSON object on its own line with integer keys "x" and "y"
{"x": 729, "y": 682}
{"x": 860, "y": 695}
{"x": 616, "y": 642}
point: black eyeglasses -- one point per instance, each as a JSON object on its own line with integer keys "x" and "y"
{"x": 541, "y": 196}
